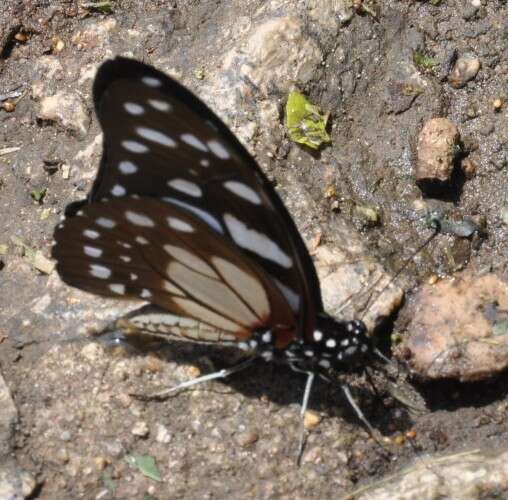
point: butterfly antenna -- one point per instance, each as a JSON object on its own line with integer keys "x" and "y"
{"x": 436, "y": 227}
{"x": 303, "y": 410}
{"x": 195, "y": 381}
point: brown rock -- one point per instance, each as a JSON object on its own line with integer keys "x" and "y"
{"x": 465, "y": 69}
{"x": 459, "y": 328}
{"x": 436, "y": 151}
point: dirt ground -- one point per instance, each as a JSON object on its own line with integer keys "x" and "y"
{"x": 75, "y": 428}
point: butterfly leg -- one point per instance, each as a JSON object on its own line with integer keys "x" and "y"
{"x": 357, "y": 409}
{"x": 226, "y": 372}
{"x": 305, "y": 404}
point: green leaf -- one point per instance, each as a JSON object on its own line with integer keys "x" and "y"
{"x": 108, "y": 482}
{"x": 38, "y": 194}
{"x": 500, "y": 328}
{"x": 101, "y": 7}
{"x": 305, "y": 122}
{"x": 423, "y": 61}
{"x": 146, "y": 465}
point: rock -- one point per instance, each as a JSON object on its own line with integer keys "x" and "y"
{"x": 460, "y": 475}
{"x": 330, "y": 15}
{"x": 140, "y": 429}
{"x": 67, "y": 110}
{"x": 459, "y": 328}
{"x": 375, "y": 295}
{"x": 436, "y": 151}
{"x": 246, "y": 438}
{"x": 162, "y": 434}
{"x": 279, "y": 53}
{"x": 311, "y": 419}
{"x": 464, "y": 70}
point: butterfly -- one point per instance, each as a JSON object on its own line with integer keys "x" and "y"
{"x": 181, "y": 216}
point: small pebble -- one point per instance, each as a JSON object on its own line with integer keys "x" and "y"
{"x": 140, "y": 429}
{"x": 311, "y": 419}
{"x": 247, "y": 438}
{"x": 101, "y": 462}
{"x": 124, "y": 399}
{"x": 504, "y": 216}
{"x": 399, "y": 440}
{"x": 497, "y": 104}
{"x": 469, "y": 167}
{"x": 464, "y": 70}
{"x": 8, "y": 106}
{"x": 162, "y": 434}
{"x": 65, "y": 436}
{"x": 411, "y": 434}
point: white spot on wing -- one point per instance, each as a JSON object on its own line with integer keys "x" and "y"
{"x": 133, "y": 108}
{"x": 204, "y": 162}
{"x": 141, "y": 240}
{"x": 90, "y": 233}
{"x": 193, "y": 141}
{"x": 117, "y": 288}
{"x": 318, "y": 335}
{"x": 139, "y": 219}
{"x": 133, "y": 276}
{"x": 134, "y": 146}
{"x": 179, "y": 225}
{"x": 151, "y": 81}
{"x": 127, "y": 167}
{"x": 218, "y": 149}
{"x": 256, "y": 242}
{"x": 105, "y": 222}
{"x": 92, "y": 251}
{"x": 160, "y": 105}
{"x": 186, "y": 187}
{"x": 125, "y": 258}
{"x": 204, "y": 216}
{"x": 155, "y": 136}
{"x": 98, "y": 271}
{"x": 243, "y": 191}
{"x": 331, "y": 343}
{"x": 145, "y": 294}
{"x": 118, "y": 190}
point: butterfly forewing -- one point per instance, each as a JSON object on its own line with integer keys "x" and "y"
{"x": 162, "y": 142}
{"x": 143, "y": 248}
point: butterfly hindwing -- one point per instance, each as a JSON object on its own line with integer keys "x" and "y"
{"x": 146, "y": 249}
